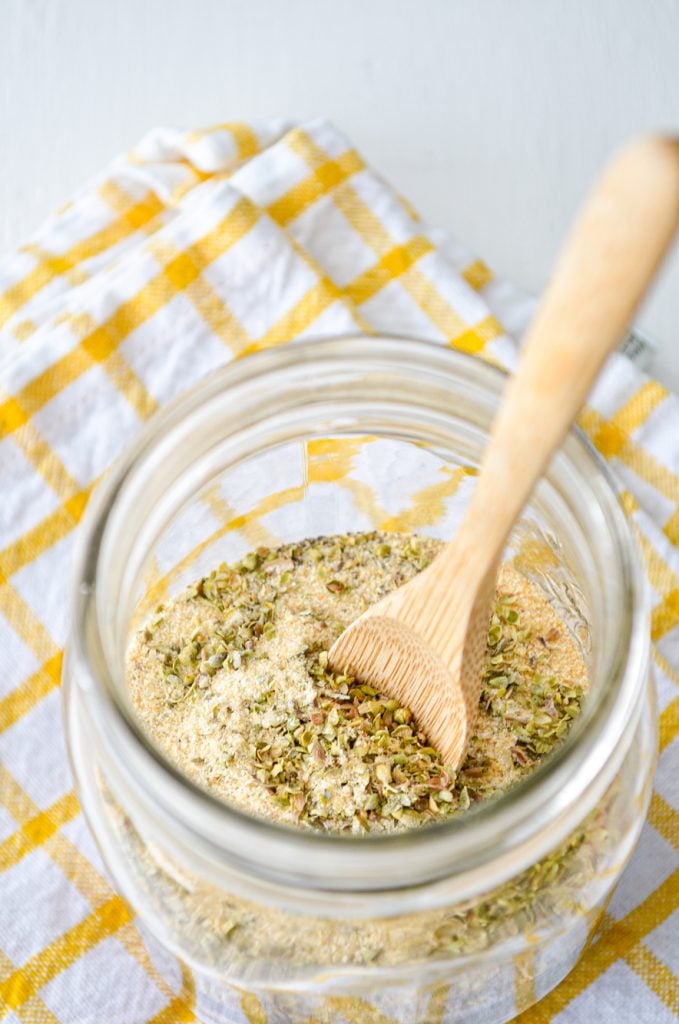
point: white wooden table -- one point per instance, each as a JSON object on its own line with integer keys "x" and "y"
{"x": 490, "y": 115}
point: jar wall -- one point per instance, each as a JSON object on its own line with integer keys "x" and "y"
{"x": 383, "y": 435}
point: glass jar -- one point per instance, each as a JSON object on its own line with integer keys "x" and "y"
{"x": 469, "y": 920}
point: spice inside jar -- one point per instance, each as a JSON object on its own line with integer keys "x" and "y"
{"x": 231, "y": 680}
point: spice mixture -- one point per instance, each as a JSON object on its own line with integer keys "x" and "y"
{"x": 231, "y": 679}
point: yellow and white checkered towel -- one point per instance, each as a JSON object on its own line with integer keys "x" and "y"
{"x": 192, "y": 250}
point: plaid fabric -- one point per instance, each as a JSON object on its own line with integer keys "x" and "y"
{"x": 192, "y": 250}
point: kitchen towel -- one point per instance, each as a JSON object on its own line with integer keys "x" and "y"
{"x": 190, "y": 251}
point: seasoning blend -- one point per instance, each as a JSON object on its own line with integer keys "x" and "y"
{"x": 232, "y": 681}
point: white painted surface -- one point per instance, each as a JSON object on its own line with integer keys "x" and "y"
{"x": 491, "y": 115}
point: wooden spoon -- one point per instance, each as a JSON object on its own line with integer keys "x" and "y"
{"x": 424, "y": 644}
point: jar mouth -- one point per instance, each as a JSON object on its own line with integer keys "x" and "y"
{"x": 525, "y": 822}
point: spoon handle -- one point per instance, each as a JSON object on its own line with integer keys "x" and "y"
{"x": 606, "y": 266}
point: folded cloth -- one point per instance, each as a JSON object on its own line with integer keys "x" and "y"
{"x": 192, "y": 250}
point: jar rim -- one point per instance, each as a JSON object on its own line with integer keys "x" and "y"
{"x": 452, "y": 849}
